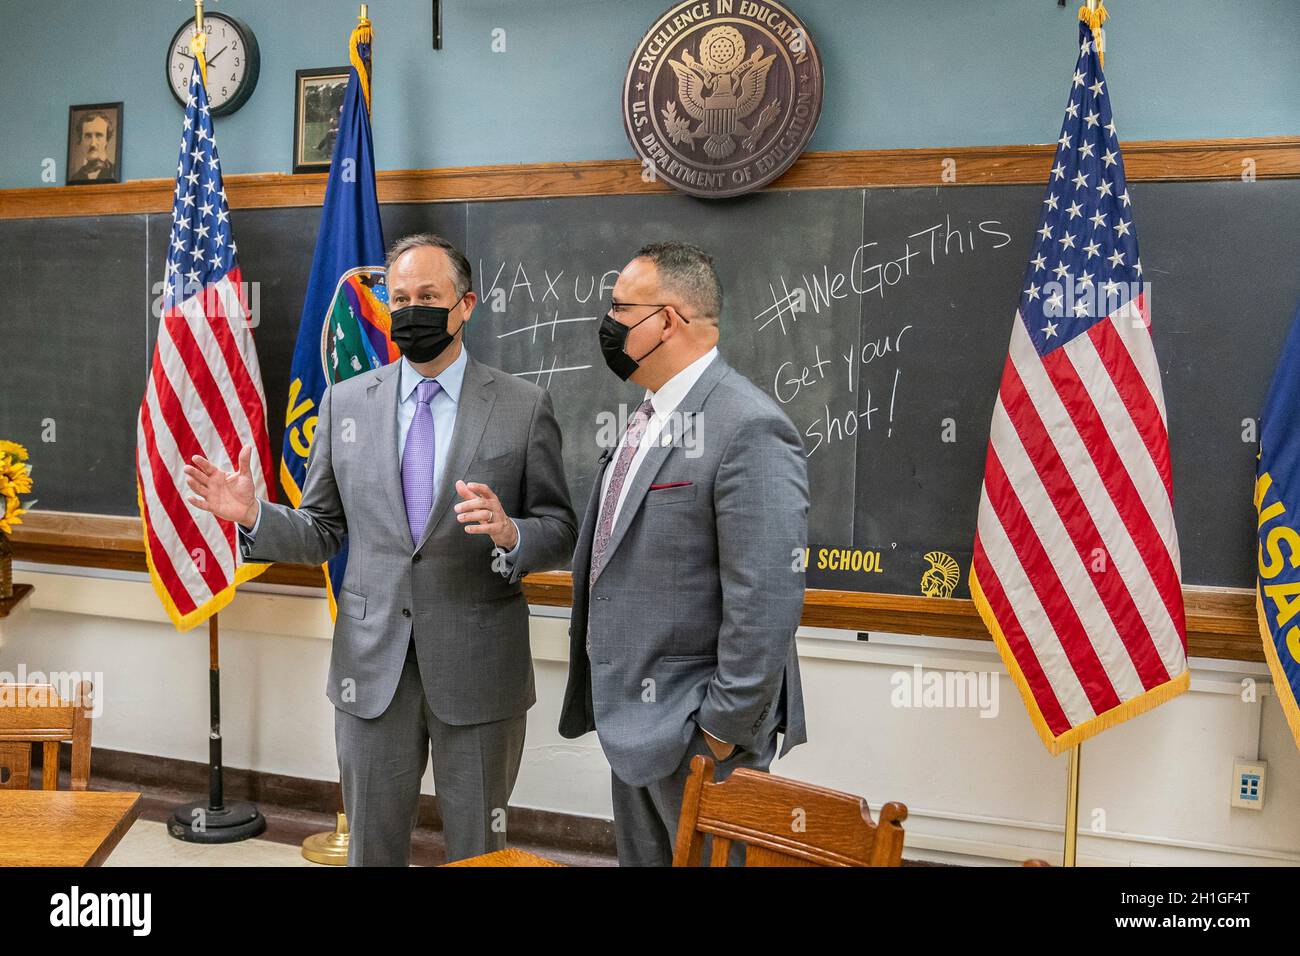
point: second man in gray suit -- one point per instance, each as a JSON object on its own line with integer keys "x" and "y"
{"x": 688, "y": 577}
{"x": 431, "y": 650}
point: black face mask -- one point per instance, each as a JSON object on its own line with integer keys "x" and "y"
{"x": 613, "y": 337}
{"x": 420, "y": 331}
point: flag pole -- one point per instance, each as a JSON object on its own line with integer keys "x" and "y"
{"x": 1072, "y": 809}
{"x": 199, "y": 42}
{"x": 331, "y": 848}
{"x": 1094, "y": 13}
{"x": 216, "y": 821}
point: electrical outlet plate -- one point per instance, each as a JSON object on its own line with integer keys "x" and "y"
{"x": 1248, "y": 778}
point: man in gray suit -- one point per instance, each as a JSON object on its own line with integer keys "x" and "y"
{"x": 688, "y": 575}
{"x": 431, "y": 646}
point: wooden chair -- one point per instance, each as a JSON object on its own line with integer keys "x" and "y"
{"x": 782, "y": 822}
{"x": 34, "y": 713}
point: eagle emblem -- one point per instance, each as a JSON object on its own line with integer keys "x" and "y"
{"x": 720, "y": 89}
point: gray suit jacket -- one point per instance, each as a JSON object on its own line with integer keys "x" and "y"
{"x": 693, "y": 617}
{"x": 470, "y": 622}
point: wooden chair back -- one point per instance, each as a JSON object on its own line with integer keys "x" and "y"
{"x": 782, "y": 822}
{"x": 35, "y": 713}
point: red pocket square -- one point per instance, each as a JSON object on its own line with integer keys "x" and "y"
{"x": 670, "y": 484}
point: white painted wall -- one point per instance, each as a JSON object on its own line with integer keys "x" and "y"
{"x": 979, "y": 789}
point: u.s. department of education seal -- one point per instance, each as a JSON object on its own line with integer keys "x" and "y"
{"x": 722, "y": 96}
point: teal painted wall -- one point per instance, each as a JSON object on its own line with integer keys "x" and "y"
{"x": 899, "y": 73}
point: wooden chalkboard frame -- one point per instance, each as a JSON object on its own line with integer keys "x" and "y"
{"x": 1220, "y": 621}
{"x": 1276, "y": 157}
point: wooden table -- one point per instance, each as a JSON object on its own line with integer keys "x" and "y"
{"x": 507, "y": 857}
{"x": 63, "y": 827}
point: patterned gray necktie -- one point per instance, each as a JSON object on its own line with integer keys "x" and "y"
{"x": 605, "y": 527}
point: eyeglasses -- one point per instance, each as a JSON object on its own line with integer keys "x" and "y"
{"x": 615, "y": 305}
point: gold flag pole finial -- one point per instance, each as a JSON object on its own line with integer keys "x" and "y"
{"x": 362, "y": 34}
{"x": 198, "y": 42}
{"x": 1094, "y": 13}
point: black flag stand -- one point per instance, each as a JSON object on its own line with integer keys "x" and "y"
{"x": 216, "y": 821}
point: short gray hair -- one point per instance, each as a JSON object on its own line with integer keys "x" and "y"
{"x": 460, "y": 268}
{"x": 687, "y": 272}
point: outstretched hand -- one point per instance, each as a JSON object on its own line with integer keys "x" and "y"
{"x": 226, "y": 494}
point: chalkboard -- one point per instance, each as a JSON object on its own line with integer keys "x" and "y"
{"x": 878, "y": 318}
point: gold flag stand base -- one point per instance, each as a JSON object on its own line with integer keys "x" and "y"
{"x": 330, "y": 849}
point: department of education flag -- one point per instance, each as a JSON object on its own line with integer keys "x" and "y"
{"x": 344, "y": 328}
{"x": 204, "y": 394}
{"x": 1076, "y": 569}
{"x": 1277, "y": 502}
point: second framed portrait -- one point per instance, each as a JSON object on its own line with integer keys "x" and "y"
{"x": 318, "y": 103}
{"x": 94, "y": 144}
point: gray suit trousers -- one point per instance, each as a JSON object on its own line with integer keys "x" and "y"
{"x": 381, "y": 762}
{"x": 645, "y": 818}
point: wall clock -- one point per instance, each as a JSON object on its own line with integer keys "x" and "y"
{"x": 233, "y": 62}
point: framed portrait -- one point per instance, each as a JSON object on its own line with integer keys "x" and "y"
{"x": 318, "y": 103}
{"x": 94, "y": 144}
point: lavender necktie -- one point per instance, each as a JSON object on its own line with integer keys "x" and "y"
{"x": 417, "y": 461}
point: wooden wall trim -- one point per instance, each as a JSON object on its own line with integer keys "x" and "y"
{"x": 1220, "y": 621}
{"x": 1272, "y": 157}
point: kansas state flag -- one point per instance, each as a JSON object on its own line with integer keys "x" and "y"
{"x": 344, "y": 328}
{"x": 1277, "y": 501}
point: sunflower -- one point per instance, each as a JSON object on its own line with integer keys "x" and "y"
{"x": 15, "y": 480}
{"x": 11, "y": 516}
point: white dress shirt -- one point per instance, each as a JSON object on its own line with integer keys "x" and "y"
{"x": 443, "y": 406}
{"x": 664, "y": 402}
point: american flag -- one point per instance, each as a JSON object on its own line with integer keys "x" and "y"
{"x": 1076, "y": 568}
{"x": 204, "y": 394}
